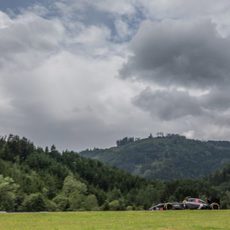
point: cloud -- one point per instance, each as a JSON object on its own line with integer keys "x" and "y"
{"x": 205, "y": 116}
{"x": 168, "y": 104}
{"x": 181, "y": 57}
{"x": 59, "y": 85}
{"x": 183, "y": 62}
{"x": 28, "y": 35}
{"x": 179, "y": 53}
{"x": 60, "y": 62}
{"x": 115, "y": 7}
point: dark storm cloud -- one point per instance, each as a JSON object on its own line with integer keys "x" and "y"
{"x": 217, "y": 100}
{"x": 171, "y": 104}
{"x": 179, "y": 53}
{"x": 189, "y": 60}
{"x": 168, "y": 105}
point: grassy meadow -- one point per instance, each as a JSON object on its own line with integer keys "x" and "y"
{"x": 159, "y": 220}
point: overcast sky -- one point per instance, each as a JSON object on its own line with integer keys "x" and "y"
{"x": 84, "y": 73}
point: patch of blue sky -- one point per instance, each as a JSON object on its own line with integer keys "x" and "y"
{"x": 88, "y": 16}
{"x": 92, "y": 16}
{"x": 17, "y": 5}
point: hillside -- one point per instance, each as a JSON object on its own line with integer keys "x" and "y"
{"x": 166, "y": 158}
{"x": 36, "y": 179}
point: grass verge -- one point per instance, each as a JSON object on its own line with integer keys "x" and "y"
{"x": 133, "y": 220}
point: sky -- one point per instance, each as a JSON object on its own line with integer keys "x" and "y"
{"x": 84, "y": 73}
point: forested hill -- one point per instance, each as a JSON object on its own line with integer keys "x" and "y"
{"x": 36, "y": 179}
{"x": 166, "y": 157}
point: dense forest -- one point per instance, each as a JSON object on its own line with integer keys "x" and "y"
{"x": 165, "y": 157}
{"x": 37, "y": 179}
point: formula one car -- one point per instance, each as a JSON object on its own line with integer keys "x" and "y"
{"x": 195, "y": 203}
{"x": 188, "y": 203}
{"x": 168, "y": 206}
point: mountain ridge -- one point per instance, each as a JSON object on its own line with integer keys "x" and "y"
{"x": 166, "y": 157}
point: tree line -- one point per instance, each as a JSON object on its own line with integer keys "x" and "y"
{"x": 165, "y": 157}
{"x": 37, "y": 179}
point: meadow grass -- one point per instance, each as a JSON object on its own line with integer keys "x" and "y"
{"x": 159, "y": 220}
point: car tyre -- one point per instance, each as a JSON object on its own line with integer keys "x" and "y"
{"x": 215, "y": 206}
{"x": 168, "y": 206}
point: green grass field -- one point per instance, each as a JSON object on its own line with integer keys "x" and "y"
{"x": 159, "y": 220}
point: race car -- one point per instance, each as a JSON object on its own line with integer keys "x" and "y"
{"x": 188, "y": 203}
{"x": 168, "y": 206}
{"x": 196, "y": 203}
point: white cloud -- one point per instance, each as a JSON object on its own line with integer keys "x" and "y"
{"x": 5, "y": 21}
{"x": 60, "y": 63}
{"x": 60, "y": 86}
